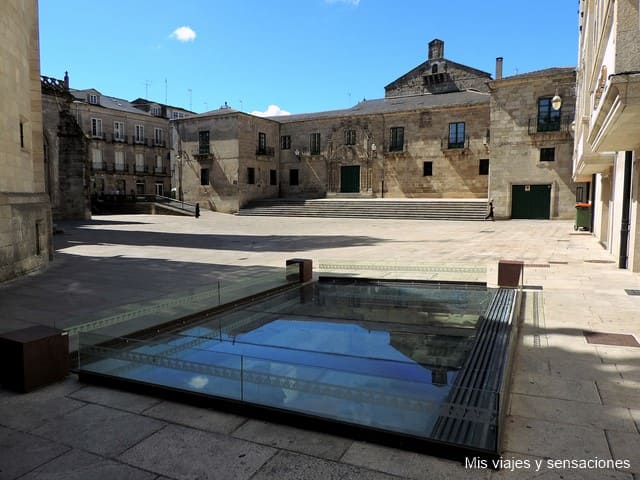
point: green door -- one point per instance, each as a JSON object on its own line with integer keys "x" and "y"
{"x": 350, "y": 179}
{"x": 531, "y": 202}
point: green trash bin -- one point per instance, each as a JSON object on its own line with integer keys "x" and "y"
{"x": 583, "y": 216}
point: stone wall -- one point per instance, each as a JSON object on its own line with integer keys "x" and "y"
{"x": 516, "y": 143}
{"x": 25, "y": 215}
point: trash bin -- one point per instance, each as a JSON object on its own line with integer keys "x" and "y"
{"x": 583, "y": 216}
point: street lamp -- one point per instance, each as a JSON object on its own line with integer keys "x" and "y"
{"x": 179, "y": 160}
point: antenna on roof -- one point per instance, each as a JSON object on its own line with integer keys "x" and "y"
{"x": 147, "y": 84}
{"x": 190, "y": 98}
{"x": 166, "y": 91}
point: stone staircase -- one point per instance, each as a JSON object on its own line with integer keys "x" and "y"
{"x": 410, "y": 209}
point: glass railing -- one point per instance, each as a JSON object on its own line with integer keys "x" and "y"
{"x": 396, "y": 396}
{"x": 385, "y": 269}
{"x": 134, "y": 317}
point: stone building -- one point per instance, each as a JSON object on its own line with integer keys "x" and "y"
{"x": 67, "y": 169}
{"x": 434, "y": 135}
{"x": 25, "y": 210}
{"x": 225, "y": 158}
{"x": 426, "y": 146}
{"x": 607, "y": 139}
{"x": 128, "y": 143}
{"x": 532, "y": 144}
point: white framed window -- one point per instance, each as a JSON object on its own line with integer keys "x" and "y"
{"x": 155, "y": 111}
{"x": 139, "y": 162}
{"x": 158, "y": 163}
{"x": 157, "y": 136}
{"x": 93, "y": 99}
{"x": 96, "y": 158}
{"x": 118, "y": 131}
{"x": 139, "y": 133}
{"x": 119, "y": 160}
{"x": 96, "y": 127}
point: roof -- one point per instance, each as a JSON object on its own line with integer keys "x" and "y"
{"x": 547, "y": 72}
{"x": 424, "y": 65}
{"x": 396, "y": 104}
{"x": 106, "y": 101}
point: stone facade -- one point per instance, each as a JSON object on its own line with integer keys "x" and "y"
{"x": 67, "y": 164}
{"x": 25, "y": 211}
{"x": 607, "y": 143}
{"x": 520, "y": 138}
{"x": 220, "y": 162}
{"x": 127, "y": 147}
{"x": 385, "y": 171}
{"x": 438, "y": 75}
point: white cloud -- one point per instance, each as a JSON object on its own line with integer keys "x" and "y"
{"x": 355, "y": 3}
{"x": 183, "y": 34}
{"x": 272, "y": 111}
{"x": 198, "y": 382}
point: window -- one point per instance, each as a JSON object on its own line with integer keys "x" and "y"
{"x": 456, "y": 135}
{"x": 203, "y": 142}
{"x": 159, "y": 164}
{"x": 21, "y": 135}
{"x": 434, "y": 68}
{"x": 285, "y": 142}
{"x": 483, "y": 168}
{"x": 427, "y": 169}
{"x": 204, "y": 176}
{"x": 155, "y": 111}
{"x": 157, "y": 136}
{"x": 93, "y": 99}
{"x": 139, "y": 131}
{"x": 262, "y": 143}
{"x": 548, "y": 118}
{"x": 119, "y": 160}
{"x": 96, "y": 128}
{"x": 273, "y": 177}
{"x": 140, "y": 163}
{"x": 140, "y": 187}
{"x": 397, "y": 139}
{"x": 96, "y": 159}
{"x": 251, "y": 175}
{"x": 118, "y": 131}
{"x": 349, "y": 137}
{"x": 293, "y": 176}
{"x": 547, "y": 154}
{"x": 314, "y": 141}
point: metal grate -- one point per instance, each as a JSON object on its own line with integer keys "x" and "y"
{"x": 537, "y": 265}
{"x": 633, "y": 293}
{"x": 599, "y": 261}
{"x": 614, "y": 339}
{"x": 552, "y": 262}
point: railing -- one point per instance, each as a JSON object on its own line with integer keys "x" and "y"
{"x": 203, "y": 150}
{"x": 546, "y": 124}
{"x": 159, "y": 143}
{"x": 450, "y": 143}
{"x": 140, "y": 141}
{"x": 124, "y": 168}
{"x": 98, "y": 135}
{"x": 119, "y": 138}
{"x": 160, "y": 170}
{"x": 141, "y": 169}
{"x": 264, "y": 151}
{"x": 99, "y": 166}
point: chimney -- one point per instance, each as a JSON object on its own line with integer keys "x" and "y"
{"x": 498, "y": 68}
{"x": 436, "y": 49}
{"x": 66, "y": 80}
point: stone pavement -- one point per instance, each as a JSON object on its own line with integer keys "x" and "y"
{"x": 571, "y": 400}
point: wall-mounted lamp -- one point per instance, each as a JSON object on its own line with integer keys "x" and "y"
{"x": 297, "y": 153}
{"x": 373, "y": 147}
{"x": 556, "y": 101}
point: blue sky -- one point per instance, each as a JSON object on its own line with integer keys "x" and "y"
{"x": 297, "y": 55}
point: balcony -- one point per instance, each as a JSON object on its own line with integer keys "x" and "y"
{"x": 265, "y": 151}
{"x": 160, "y": 170}
{"x": 544, "y": 125}
{"x": 614, "y": 124}
{"x": 141, "y": 169}
{"x": 99, "y": 166}
{"x": 159, "y": 143}
{"x": 140, "y": 141}
{"x": 119, "y": 138}
{"x": 120, "y": 168}
{"x": 454, "y": 143}
{"x": 97, "y": 135}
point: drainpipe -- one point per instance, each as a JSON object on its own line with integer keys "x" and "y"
{"x": 626, "y": 201}
{"x": 593, "y": 200}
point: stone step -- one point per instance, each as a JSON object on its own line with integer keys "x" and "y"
{"x": 364, "y": 208}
